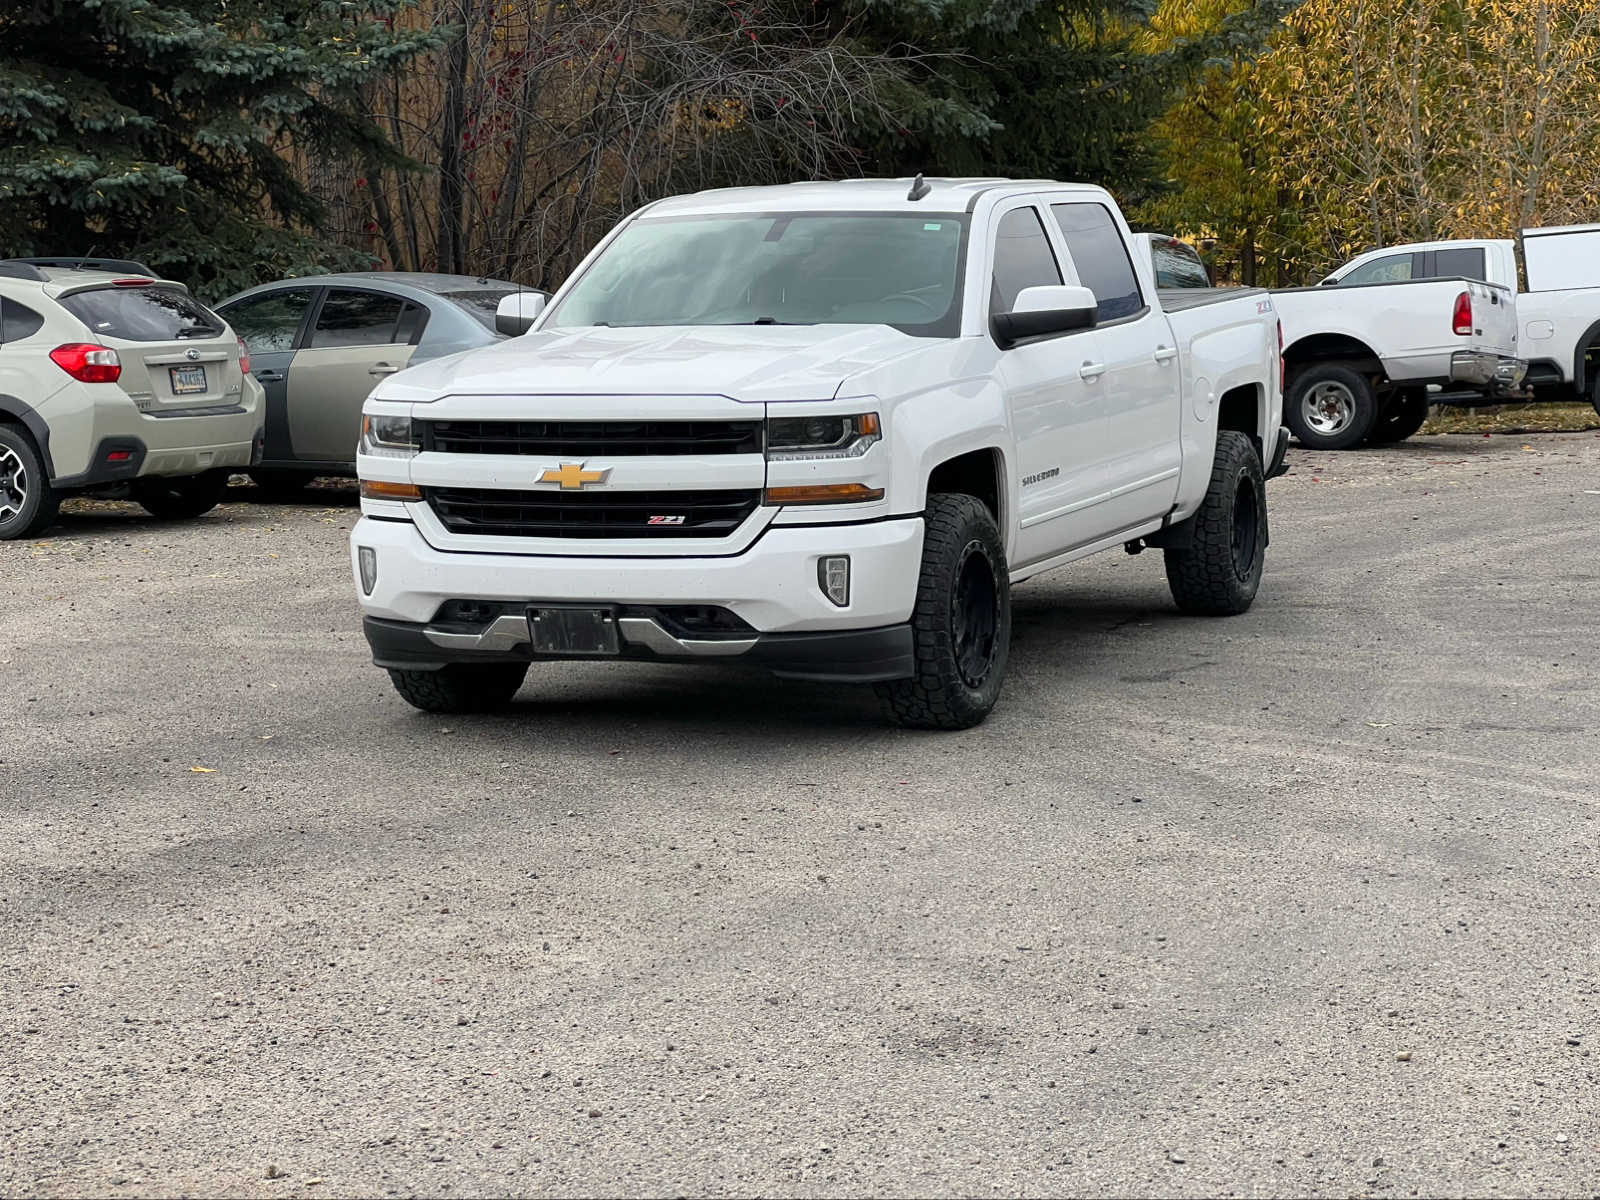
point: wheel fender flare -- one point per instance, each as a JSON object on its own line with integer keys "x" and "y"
{"x": 13, "y": 406}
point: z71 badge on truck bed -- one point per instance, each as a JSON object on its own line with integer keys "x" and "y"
{"x": 821, "y": 428}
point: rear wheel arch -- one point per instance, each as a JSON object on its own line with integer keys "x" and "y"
{"x": 1240, "y": 409}
{"x": 1332, "y": 347}
{"x": 14, "y": 411}
{"x": 1586, "y": 360}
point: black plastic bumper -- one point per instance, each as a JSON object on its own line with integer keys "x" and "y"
{"x": 850, "y": 656}
{"x": 1277, "y": 466}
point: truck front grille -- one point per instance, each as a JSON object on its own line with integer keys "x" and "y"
{"x": 552, "y": 514}
{"x": 579, "y": 439}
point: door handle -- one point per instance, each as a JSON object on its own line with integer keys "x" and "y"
{"x": 1091, "y": 370}
{"x": 381, "y": 369}
{"x": 270, "y": 376}
{"x": 1166, "y": 353}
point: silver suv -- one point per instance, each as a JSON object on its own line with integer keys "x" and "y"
{"x": 109, "y": 375}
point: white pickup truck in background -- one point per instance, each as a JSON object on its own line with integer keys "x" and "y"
{"x": 821, "y": 429}
{"x": 1558, "y": 313}
{"x": 1364, "y": 346}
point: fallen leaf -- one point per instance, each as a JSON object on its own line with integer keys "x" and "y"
{"x": 204, "y": 770}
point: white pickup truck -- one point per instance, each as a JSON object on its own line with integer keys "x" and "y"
{"x": 1558, "y": 314}
{"x": 1363, "y": 347}
{"x": 822, "y": 429}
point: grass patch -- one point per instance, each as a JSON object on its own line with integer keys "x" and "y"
{"x": 1513, "y": 418}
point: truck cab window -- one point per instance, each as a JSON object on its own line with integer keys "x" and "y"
{"x": 1467, "y": 263}
{"x": 1391, "y": 268}
{"x": 1022, "y": 259}
{"x": 1101, "y": 258}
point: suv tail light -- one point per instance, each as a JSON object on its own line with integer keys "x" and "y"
{"x": 87, "y": 362}
{"x": 244, "y": 357}
{"x": 1462, "y": 321}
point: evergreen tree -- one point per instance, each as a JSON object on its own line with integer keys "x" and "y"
{"x": 165, "y": 131}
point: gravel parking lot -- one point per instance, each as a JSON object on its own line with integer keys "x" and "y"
{"x": 1302, "y": 901}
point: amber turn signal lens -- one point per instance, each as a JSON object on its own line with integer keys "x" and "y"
{"x": 376, "y": 489}
{"x": 824, "y": 493}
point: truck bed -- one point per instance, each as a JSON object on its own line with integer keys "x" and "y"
{"x": 1182, "y": 299}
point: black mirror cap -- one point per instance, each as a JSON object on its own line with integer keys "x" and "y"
{"x": 512, "y": 326}
{"x": 1011, "y": 328}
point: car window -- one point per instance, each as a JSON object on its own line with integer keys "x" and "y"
{"x": 1391, "y": 268}
{"x": 350, "y": 318}
{"x": 268, "y": 323}
{"x": 143, "y": 314}
{"x": 480, "y": 305}
{"x": 1022, "y": 259}
{"x": 1101, "y": 257}
{"x": 18, "y": 321}
{"x": 412, "y": 321}
{"x": 1467, "y": 263}
{"x": 1177, "y": 264}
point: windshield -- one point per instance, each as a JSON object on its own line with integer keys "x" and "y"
{"x": 480, "y": 305}
{"x": 777, "y": 269}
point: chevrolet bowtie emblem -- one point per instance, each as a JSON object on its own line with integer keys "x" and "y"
{"x": 572, "y": 475}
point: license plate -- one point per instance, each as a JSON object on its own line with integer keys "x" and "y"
{"x": 573, "y": 631}
{"x": 187, "y": 380}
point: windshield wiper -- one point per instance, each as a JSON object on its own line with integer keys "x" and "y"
{"x": 199, "y": 331}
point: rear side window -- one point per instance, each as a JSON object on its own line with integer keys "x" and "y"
{"x": 1101, "y": 257}
{"x": 18, "y": 321}
{"x": 1177, "y": 265}
{"x": 1391, "y": 268}
{"x": 357, "y": 319}
{"x": 1022, "y": 259}
{"x": 143, "y": 314}
{"x": 268, "y": 323}
{"x": 1467, "y": 263}
{"x": 480, "y": 305}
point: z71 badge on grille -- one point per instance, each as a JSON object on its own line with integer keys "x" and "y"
{"x": 678, "y": 520}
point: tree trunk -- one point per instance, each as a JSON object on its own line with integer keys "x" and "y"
{"x": 449, "y": 252}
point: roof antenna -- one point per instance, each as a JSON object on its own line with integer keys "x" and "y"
{"x": 96, "y": 246}
{"x": 919, "y": 189}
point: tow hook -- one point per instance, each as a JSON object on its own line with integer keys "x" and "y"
{"x": 1136, "y": 546}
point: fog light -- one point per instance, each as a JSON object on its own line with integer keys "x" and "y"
{"x": 833, "y": 577}
{"x": 368, "y": 558}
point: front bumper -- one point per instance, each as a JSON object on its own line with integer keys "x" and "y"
{"x": 848, "y": 656}
{"x": 1494, "y": 372}
{"x": 772, "y": 585}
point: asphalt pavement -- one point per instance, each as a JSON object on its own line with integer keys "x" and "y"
{"x": 1302, "y": 901}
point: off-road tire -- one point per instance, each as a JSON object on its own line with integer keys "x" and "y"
{"x": 281, "y": 484}
{"x": 1405, "y": 413}
{"x": 1219, "y": 572}
{"x": 957, "y": 680}
{"x": 28, "y": 504}
{"x": 1340, "y": 379}
{"x": 1594, "y": 387}
{"x": 461, "y": 687}
{"x": 182, "y": 497}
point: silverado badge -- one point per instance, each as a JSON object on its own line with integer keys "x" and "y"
{"x": 572, "y": 476}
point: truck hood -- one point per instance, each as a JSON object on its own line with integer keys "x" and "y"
{"x": 750, "y": 363}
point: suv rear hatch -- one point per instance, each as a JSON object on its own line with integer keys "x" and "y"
{"x": 177, "y": 355}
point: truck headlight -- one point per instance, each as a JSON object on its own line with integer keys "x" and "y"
{"x": 792, "y": 438}
{"x": 388, "y": 437}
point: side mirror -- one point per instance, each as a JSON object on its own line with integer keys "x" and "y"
{"x": 1045, "y": 310}
{"x": 1330, "y": 281}
{"x": 516, "y": 313}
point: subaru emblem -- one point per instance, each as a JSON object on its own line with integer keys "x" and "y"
{"x": 191, "y": 354}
